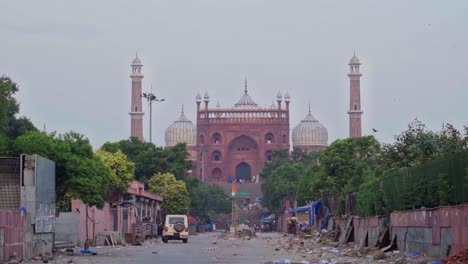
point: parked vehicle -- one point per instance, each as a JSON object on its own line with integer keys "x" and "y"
{"x": 175, "y": 228}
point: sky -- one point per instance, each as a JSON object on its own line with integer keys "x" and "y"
{"x": 72, "y": 59}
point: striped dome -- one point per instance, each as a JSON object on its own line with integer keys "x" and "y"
{"x": 181, "y": 131}
{"x": 310, "y": 132}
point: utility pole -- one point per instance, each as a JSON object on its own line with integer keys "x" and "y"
{"x": 150, "y": 97}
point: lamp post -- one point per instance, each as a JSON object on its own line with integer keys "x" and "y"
{"x": 150, "y": 97}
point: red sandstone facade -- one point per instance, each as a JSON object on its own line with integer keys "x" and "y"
{"x": 136, "y": 111}
{"x": 355, "y": 111}
{"x": 236, "y": 142}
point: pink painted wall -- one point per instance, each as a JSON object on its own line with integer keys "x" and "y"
{"x": 101, "y": 220}
{"x": 455, "y": 217}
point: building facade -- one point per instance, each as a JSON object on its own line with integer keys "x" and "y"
{"x": 235, "y": 142}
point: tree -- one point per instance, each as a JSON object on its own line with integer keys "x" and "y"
{"x": 10, "y": 126}
{"x": 79, "y": 171}
{"x": 206, "y": 200}
{"x": 90, "y": 180}
{"x": 150, "y": 159}
{"x": 417, "y": 145}
{"x": 122, "y": 170}
{"x": 282, "y": 177}
{"x": 174, "y": 192}
{"x": 8, "y": 105}
{"x": 345, "y": 161}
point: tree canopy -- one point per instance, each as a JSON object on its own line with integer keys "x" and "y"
{"x": 206, "y": 200}
{"x": 122, "y": 170}
{"x": 174, "y": 192}
{"x": 79, "y": 171}
{"x": 150, "y": 159}
{"x": 11, "y": 126}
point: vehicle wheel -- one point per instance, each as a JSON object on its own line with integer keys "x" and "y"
{"x": 164, "y": 239}
{"x": 179, "y": 227}
{"x": 185, "y": 240}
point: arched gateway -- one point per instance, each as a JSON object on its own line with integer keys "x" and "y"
{"x": 243, "y": 171}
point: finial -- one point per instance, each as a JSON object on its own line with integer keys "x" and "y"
{"x": 151, "y": 88}
{"x": 45, "y": 128}
{"x": 136, "y": 54}
{"x": 182, "y": 108}
{"x": 354, "y": 53}
{"x": 309, "y": 109}
{"x": 245, "y": 85}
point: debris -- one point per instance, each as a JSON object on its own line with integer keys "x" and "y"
{"x": 378, "y": 255}
{"x": 461, "y": 257}
{"x": 392, "y": 245}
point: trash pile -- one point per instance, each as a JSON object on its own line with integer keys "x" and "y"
{"x": 461, "y": 257}
{"x": 323, "y": 248}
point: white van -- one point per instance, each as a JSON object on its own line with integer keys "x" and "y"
{"x": 175, "y": 228}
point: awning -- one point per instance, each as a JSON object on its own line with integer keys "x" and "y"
{"x": 299, "y": 209}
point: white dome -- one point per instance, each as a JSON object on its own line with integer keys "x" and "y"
{"x": 136, "y": 61}
{"x": 354, "y": 60}
{"x": 181, "y": 131}
{"x": 310, "y": 132}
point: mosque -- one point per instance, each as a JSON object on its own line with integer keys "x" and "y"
{"x": 227, "y": 143}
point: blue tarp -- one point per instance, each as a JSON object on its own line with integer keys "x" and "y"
{"x": 299, "y": 209}
{"x": 316, "y": 209}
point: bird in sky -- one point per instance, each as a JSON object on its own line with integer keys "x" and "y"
{"x": 374, "y": 130}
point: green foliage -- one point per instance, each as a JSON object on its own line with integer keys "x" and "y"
{"x": 8, "y": 105}
{"x": 369, "y": 198}
{"x": 78, "y": 170}
{"x": 11, "y": 127}
{"x": 174, "y": 192}
{"x": 122, "y": 170}
{"x": 345, "y": 161}
{"x": 437, "y": 182}
{"x": 90, "y": 180}
{"x": 206, "y": 200}
{"x": 285, "y": 177}
{"x": 150, "y": 159}
{"x": 417, "y": 145}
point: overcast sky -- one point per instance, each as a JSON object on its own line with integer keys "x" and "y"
{"x": 72, "y": 60}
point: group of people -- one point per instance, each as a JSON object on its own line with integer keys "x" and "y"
{"x": 265, "y": 227}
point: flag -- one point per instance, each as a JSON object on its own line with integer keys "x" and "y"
{"x": 233, "y": 189}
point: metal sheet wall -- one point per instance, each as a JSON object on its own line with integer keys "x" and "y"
{"x": 11, "y": 221}
{"x": 446, "y": 225}
{"x": 9, "y": 182}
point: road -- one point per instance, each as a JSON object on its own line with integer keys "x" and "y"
{"x": 201, "y": 248}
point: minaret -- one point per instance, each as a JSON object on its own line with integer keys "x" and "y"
{"x": 136, "y": 112}
{"x": 355, "y": 111}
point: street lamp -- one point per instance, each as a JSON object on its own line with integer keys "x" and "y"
{"x": 150, "y": 97}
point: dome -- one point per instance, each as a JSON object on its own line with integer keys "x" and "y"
{"x": 136, "y": 61}
{"x": 310, "y": 132}
{"x": 181, "y": 131}
{"x": 354, "y": 60}
{"x": 246, "y": 101}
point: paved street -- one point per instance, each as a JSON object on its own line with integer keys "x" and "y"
{"x": 215, "y": 248}
{"x": 201, "y": 248}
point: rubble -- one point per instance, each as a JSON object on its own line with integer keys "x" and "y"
{"x": 461, "y": 257}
